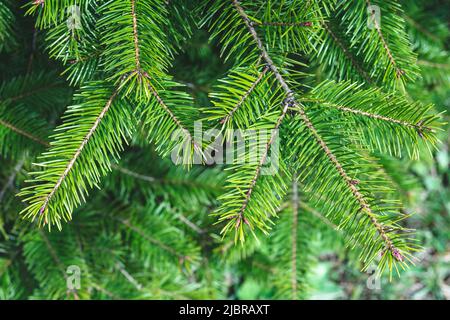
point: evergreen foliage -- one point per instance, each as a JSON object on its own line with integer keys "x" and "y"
{"x": 102, "y": 168}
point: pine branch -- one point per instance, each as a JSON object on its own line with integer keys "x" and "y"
{"x": 87, "y": 138}
{"x": 78, "y": 151}
{"x": 307, "y": 122}
{"x": 347, "y": 53}
{"x": 154, "y": 241}
{"x": 416, "y": 126}
{"x": 385, "y": 49}
{"x": 57, "y": 261}
{"x": 240, "y": 218}
{"x": 22, "y": 132}
{"x": 42, "y": 252}
{"x": 244, "y": 96}
{"x": 295, "y": 205}
{"x": 398, "y": 72}
{"x": 150, "y": 59}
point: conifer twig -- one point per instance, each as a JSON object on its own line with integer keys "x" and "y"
{"x": 365, "y": 207}
{"x": 245, "y": 96}
{"x": 23, "y": 132}
{"x": 347, "y": 53}
{"x": 79, "y": 150}
{"x": 144, "y": 74}
{"x": 240, "y": 216}
{"x": 398, "y": 72}
{"x": 58, "y": 261}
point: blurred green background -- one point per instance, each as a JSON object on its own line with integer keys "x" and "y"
{"x": 335, "y": 273}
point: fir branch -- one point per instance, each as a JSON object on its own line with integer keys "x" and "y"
{"x": 33, "y": 91}
{"x": 291, "y": 100}
{"x": 190, "y": 224}
{"x": 401, "y": 125}
{"x": 398, "y": 72}
{"x": 195, "y": 145}
{"x": 240, "y": 217}
{"x": 57, "y": 261}
{"x": 143, "y": 77}
{"x": 347, "y": 53}
{"x": 23, "y": 133}
{"x": 78, "y": 151}
{"x": 89, "y": 136}
{"x": 135, "y": 36}
{"x": 245, "y": 96}
{"x": 249, "y": 23}
{"x": 351, "y": 186}
{"x": 420, "y": 27}
{"x": 416, "y": 126}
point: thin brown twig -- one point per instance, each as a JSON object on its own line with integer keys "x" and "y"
{"x": 417, "y": 126}
{"x": 284, "y": 24}
{"x": 78, "y": 151}
{"x": 245, "y": 96}
{"x": 23, "y": 133}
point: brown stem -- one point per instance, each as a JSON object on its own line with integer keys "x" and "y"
{"x": 285, "y": 24}
{"x": 78, "y": 151}
{"x": 135, "y": 35}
